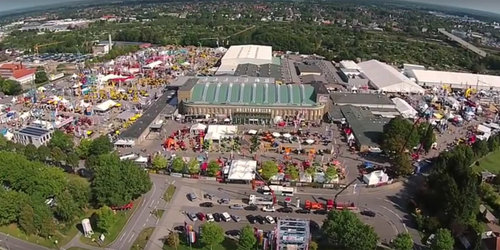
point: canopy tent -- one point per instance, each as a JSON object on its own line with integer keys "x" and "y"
{"x": 287, "y": 135}
{"x": 375, "y": 178}
{"x": 141, "y": 159}
{"x": 309, "y": 141}
{"x": 276, "y": 134}
{"x": 217, "y": 132}
{"x": 242, "y": 170}
{"x": 105, "y": 106}
{"x": 198, "y": 127}
{"x": 483, "y": 129}
{"x": 252, "y": 132}
{"x": 406, "y": 110}
{"x": 388, "y": 79}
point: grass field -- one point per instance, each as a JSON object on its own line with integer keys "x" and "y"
{"x": 227, "y": 244}
{"x": 491, "y": 162}
{"x": 121, "y": 220}
{"x": 169, "y": 193}
{"x": 142, "y": 239}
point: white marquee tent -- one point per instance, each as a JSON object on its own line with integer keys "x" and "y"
{"x": 388, "y": 79}
{"x": 217, "y": 132}
{"x": 242, "y": 170}
{"x": 375, "y": 178}
{"x": 406, "y": 110}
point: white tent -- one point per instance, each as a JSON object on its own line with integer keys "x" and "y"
{"x": 252, "y": 132}
{"x": 375, "y": 178}
{"x": 242, "y": 170}
{"x": 386, "y": 78}
{"x": 483, "y": 129}
{"x": 217, "y": 132}
{"x": 198, "y": 127}
{"x": 406, "y": 110}
{"x": 105, "y": 106}
{"x": 141, "y": 159}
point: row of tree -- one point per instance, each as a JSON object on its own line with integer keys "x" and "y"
{"x": 10, "y": 87}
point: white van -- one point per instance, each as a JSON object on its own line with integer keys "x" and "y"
{"x": 226, "y": 216}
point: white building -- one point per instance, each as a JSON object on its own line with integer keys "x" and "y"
{"x": 456, "y": 80}
{"x": 241, "y": 54}
{"x": 404, "y": 108}
{"x": 385, "y": 78}
{"x": 33, "y": 135}
{"x": 242, "y": 170}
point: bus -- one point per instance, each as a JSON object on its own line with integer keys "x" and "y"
{"x": 278, "y": 190}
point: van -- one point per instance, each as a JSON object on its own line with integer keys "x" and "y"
{"x": 226, "y": 216}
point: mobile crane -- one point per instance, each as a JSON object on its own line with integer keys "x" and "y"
{"x": 37, "y": 47}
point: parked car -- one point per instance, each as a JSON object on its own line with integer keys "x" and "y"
{"x": 226, "y": 217}
{"x": 251, "y": 208}
{"x": 322, "y": 212}
{"x": 206, "y": 204}
{"x": 285, "y": 210}
{"x": 217, "y": 217}
{"x": 192, "y": 216}
{"x": 201, "y": 216}
{"x": 251, "y": 219}
{"x": 268, "y": 209}
{"x": 270, "y": 219}
{"x": 303, "y": 211}
{"x": 260, "y": 219}
{"x": 210, "y": 218}
{"x": 224, "y": 201}
{"x": 236, "y": 207}
{"x": 236, "y": 218}
{"x": 368, "y": 213}
{"x": 234, "y": 233}
{"x": 208, "y": 196}
{"x": 192, "y": 196}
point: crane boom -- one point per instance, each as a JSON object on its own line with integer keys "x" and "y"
{"x": 268, "y": 186}
{"x": 342, "y": 190}
{"x": 38, "y": 46}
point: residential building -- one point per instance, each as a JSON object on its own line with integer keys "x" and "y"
{"x": 17, "y": 72}
{"x": 33, "y": 135}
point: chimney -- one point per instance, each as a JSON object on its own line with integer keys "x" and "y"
{"x": 110, "y": 42}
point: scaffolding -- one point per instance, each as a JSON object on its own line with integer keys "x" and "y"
{"x": 292, "y": 234}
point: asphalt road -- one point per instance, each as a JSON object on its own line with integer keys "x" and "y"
{"x": 9, "y": 242}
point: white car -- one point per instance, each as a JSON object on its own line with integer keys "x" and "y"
{"x": 210, "y": 217}
{"x": 270, "y": 219}
{"x": 268, "y": 209}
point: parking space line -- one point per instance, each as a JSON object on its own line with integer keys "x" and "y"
{"x": 397, "y": 215}
{"x": 131, "y": 237}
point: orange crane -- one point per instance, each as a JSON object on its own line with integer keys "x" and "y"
{"x": 37, "y": 47}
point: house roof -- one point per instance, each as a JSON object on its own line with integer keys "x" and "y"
{"x": 360, "y": 99}
{"x": 20, "y": 73}
{"x": 367, "y": 128}
{"x": 309, "y": 68}
{"x": 10, "y": 66}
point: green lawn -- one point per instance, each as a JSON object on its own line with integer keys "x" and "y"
{"x": 225, "y": 245}
{"x": 491, "y": 162}
{"x": 169, "y": 193}
{"x": 142, "y": 239}
{"x": 121, "y": 220}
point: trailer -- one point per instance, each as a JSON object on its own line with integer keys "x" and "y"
{"x": 256, "y": 200}
{"x": 345, "y": 206}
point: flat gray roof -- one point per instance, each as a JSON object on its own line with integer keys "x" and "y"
{"x": 33, "y": 131}
{"x": 367, "y": 128}
{"x": 344, "y": 98}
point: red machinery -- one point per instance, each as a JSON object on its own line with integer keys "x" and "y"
{"x": 124, "y": 207}
{"x": 314, "y": 205}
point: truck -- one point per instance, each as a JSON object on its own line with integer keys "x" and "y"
{"x": 345, "y": 205}
{"x": 310, "y": 205}
{"x": 256, "y": 200}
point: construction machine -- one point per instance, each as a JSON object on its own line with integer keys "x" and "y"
{"x": 37, "y": 47}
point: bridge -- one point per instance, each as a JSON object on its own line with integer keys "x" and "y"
{"x": 462, "y": 42}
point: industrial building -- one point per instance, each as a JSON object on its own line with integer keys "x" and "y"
{"x": 33, "y": 135}
{"x": 292, "y": 234}
{"x": 367, "y": 128}
{"x": 455, "y": 80}
{"x": 244, "y": 54}
{"x": 264, "y": 70}
{"x": 385, "y": 78}
{"x": 362, "y": 100}
{"x": 256, "y": 100}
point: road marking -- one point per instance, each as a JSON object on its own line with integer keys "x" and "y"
{"x": 144, "y": 225}
{"x": 121, "y": 238}
{"x": 151, "y": 204}
{"x": 397, "y": 215}
{"x": 131, "y": 237}
{"x": 173, "y": 182}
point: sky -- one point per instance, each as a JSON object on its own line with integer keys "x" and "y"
{"x": 485, "y": 5}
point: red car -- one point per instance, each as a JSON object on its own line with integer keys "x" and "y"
{"x": 201, "y": 216}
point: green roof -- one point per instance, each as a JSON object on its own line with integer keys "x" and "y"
{"x": 253, "y": 94}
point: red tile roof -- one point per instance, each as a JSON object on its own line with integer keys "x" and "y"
{"x": 20, "y": 73}
{"x": 11, "y": 66}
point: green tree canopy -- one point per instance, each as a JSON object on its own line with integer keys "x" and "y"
{"x": 212, "y": 234}
{"x": 10, "y": 87}
{"x": 100, "y": 145}
{"x": 178, "y": 165}
{"x": 212, "y": 168}
{"x": 403, "y": 241}
{"x": 343, "y": 229}
{"x": 269, "y": 169}
{"x": 396, "y": 133}
{"x": 83, "y": 149}
{"x": 247, "y": 238}
{"x": 443, "y": 240}
{"x": 105, "y": 219}
{"x": 159, "y": 162}
{"x": 193, "y": 166}
{"x": 41, "y": 77}
{"x": 330, "y": 174}
{"x": 62, "y": 141}
{"x": 293, "y": 172}
{"x": 173, "y": 239}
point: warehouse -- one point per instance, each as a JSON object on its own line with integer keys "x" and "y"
{"x": 455, "y": 80}
{"x": 264, "y": 70}
{"x": 241, "y": 54}
{"x": 362, "y": 100}
{"x": 255, "y": 100}
{"x": 387, "y": 79}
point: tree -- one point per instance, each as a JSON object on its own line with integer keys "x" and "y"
{"x": 343, "y": 229}
{"x": 330, "y": 174}
{"x": 213, "y": 168}
{"x": 193, "y": 166}
{"x": 159, "y": 162}
{"x": 66, "y": 208}
{"x": 480, "y": 148}
{"x": 247, "y": 238}
{"x": 62, "y": 141}
{"x": 269, "y": 169}
{"x": 26, "y": 222}
{"x": 10, "y": 87}
{"x": 104, "y": 219}
{"x": 313, "y": 245}
{"x": 428, "y": 137}
{"x": 212, "y": 234}
{"x": 43, "y": 153}
{"x": 84, "y": 148}
{"x": 402, "y": 164}
{"x": 100, "y": 145}
{"x": 57, "y": 154}
{"x": 173, "y": 239}
{"x": 397, "y": 133}
{"x": 41, "y": 77}
{"x": 442, "y": 240}
{"x": 403, "y": 241}
{"x": 30, "y": 152}
{"x": 79, "y": 189}
{"x": 72, "y": 159}
{"x": 293, "y": 172}
{"x": 255, "y": 143}
{"x": 178, "y": 165}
